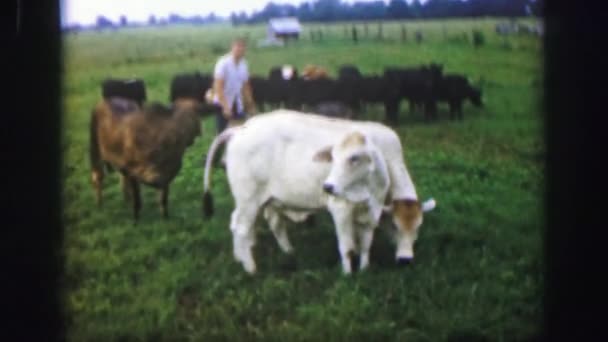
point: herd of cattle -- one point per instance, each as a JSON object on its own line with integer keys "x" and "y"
{"x": 284, "y": 164}
{"x": 346, "y": 95}
{"x": 424, "y": 85}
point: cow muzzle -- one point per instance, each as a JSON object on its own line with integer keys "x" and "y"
{"x": 405, "y": 256}
{"x": 404, "y": 261}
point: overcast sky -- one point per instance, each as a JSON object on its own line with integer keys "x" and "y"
{"x": 86, "y": 11}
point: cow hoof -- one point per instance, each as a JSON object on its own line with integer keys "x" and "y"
{"x": 289, "y": 263}
{"x": 354, "y": 260}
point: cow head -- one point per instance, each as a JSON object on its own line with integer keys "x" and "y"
{"x": 288, "y": 72}
{"x": 358, "y": 170}
{"x": 476, "y": 97}
{"x": 436, "y": 69}
{"x": 407, "y": 218}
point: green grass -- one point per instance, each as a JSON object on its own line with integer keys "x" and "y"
{"x": 478, "y": 269}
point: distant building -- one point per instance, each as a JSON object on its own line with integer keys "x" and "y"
{"x": 284, "y": 28}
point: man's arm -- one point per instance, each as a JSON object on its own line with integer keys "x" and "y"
{"x": 218, "y": 89}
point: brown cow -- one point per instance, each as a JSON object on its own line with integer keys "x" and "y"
{"x": 145, "y": 143}
{"x": 314, "y": 72}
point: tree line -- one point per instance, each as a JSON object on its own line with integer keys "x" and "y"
{"x": 103, "y": 22}
{"x": 336, "y": 10}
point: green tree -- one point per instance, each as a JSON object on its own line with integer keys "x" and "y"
{"x": 398, "y": 9}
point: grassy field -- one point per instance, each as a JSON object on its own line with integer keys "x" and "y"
{"x": 478, "y": 269}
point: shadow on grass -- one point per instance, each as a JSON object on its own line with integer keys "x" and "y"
{"x": 316, "y": 249}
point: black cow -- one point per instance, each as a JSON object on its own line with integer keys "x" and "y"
{"x": 455, "y": 89}
{"x": 268, "y": 91}
{"x": 259, "y": 90}
{"x": 311, "y": 92}
{"x": 193, "y": 85}
{"x": 379, "y": 89}
{"x": 274, "y": 90}
{"x": 416, "y": 84}
{"x": 132, "y": 89}
{"x": 334, "y": 109}
{"x": 276, "y": 73}
{"x": 348, "y": 91}
{"x": 349, "y": 71}
{"x": 349, "y": 78}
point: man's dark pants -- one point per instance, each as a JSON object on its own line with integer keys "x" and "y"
{"x": 220, "y": 124}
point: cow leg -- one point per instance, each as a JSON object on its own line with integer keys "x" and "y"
{"x": 97, "y": 178}
{"x": 391, "y": 110}
{"x": 136, "y": 198}
{"x": 430, "y": 110}
{"x": 126, "y": 188}
{"x": 452, "y": 110}
{"x": 163, "y": 195}
{"x": 366, "y": 236}
{"x": 343, "y": 220}
{"x": 427, "y": 114}
{"x": 242, "y": 221}
{"x": 356, "y": 106}
{"x": 279, "y": 229}
{"x": 459, "y": 109}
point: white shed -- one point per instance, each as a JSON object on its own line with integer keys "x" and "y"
{"x": 284, "y": 28}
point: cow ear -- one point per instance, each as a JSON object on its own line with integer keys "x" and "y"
{"x": 429, "y": 205}
{"x": 323, "y": 155}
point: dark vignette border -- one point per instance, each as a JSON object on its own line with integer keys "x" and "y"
{"x": 32, "y": 156}
{"x": 573, "y": 114}
{"x": 573, "y": 121}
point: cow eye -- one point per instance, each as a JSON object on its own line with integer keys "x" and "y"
{"x": 353, "y": 159}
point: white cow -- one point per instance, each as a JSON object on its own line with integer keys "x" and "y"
{"x": 291, "y": 164}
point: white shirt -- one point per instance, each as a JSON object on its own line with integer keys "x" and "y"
{"x": 234, "y": 76}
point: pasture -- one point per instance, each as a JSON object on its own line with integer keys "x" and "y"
{"x": 478, "y": 268}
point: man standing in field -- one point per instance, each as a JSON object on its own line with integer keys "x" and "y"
{"x": 231, "y": 87}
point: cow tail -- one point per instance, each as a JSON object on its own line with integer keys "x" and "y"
{"x": 207, "y": 196}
